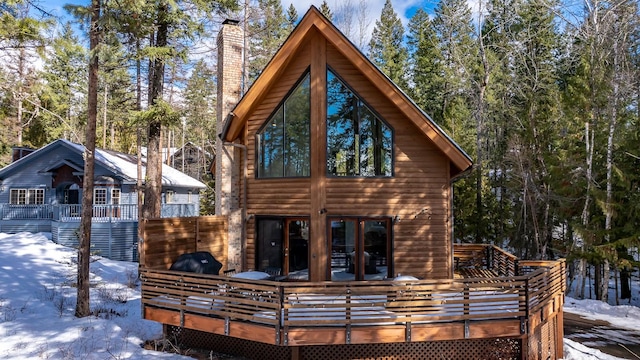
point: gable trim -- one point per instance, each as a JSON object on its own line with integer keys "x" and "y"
{"x": 315, "y": 21}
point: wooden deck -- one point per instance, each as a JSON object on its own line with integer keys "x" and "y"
{"x": 363, "y": 312}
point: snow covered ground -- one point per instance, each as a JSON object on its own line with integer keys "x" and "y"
{"x": 37, "y": 303}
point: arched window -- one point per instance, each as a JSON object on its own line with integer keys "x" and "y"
{"x": 359, "y": 143}
{"x": 283, "y": 142}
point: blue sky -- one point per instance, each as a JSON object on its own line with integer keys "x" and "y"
{"x": 404, "y": 8}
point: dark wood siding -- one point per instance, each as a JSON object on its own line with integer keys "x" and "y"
{"x": 418, "y": 193}
{"x": 283, "y": 196}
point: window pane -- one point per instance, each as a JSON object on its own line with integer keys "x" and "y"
{"x": 35, "y": 196}
{"x": 358, "y": 142}
{"x": 115, "y": 196}
{"x": 375, "y": 246}
{"x": 385, "y": 144}
{"x": 341, "y": 128}
{"x": 343, "y": 246}
{"x": 367, "y": 142}
{"x": 296, "y": 119}
{"x": 14, "y": 197}
{"x": 284, "y": 142}
{"x": 272, "y": 151}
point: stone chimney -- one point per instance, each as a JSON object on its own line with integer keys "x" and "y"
{"x": 229, "y": 158}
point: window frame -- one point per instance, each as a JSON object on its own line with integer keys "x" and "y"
{"x": 27, "y": 196}
{"x": 95, "y": 196}
{"x": 258, "y": 136}
{"x": 358, "y": 135}
{"x": 115, "y": 199}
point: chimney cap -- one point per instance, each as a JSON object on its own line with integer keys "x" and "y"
{"x": 230, "y": 22}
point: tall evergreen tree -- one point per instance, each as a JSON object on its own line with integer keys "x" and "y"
{"x": 292, "y": 17}
{"x": 386, "y": 48}
{"x": 425, "y": 64}
{"x": 324, "y": 9}
{"x": 200, "y": 122}
{"x": 21, "y": 40}
{"x": 268, "y": 29}
{"x": 63, "y": 96}
{"x": 533, "y": 146}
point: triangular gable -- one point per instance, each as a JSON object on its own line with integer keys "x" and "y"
{"x": 69, "y": 163}
{"x": 314, "y": 20}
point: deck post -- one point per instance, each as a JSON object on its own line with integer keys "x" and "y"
{"x": 559, "y": 333}
{"x": 347, "y": 315}
{"x": 524, "y": 347}
{"x": 295, "y": 353}
{"x": 279, "y": 313}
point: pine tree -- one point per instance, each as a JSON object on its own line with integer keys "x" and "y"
{"x": 63, "y": 96}
{"x": 292, "y": 17}
{"x": 117, "y": 98}
{"x": 533, "y": 146}
{"x": 21, "y": 40}
{"x": 324, "y": 9}
{"x": 386, "y": 48}
{"x": 425, "y": 64}
{"x": 267, "y": 31}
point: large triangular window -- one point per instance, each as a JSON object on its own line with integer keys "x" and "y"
{"x": 283, "y": 142}
{"x": 359, "y": 143}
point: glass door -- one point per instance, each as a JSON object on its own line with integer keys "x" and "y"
{"x": 360, "y": 248}
{"x": 270, "y": 245}
{"x": 296, "y": 254}
{"x": 283, "y": 247}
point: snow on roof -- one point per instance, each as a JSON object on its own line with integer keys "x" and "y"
{"x": 126, "y": 165}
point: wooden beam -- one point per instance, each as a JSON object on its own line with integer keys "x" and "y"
{"x": 318, "y": 248}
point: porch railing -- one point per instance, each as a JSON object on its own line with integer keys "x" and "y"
{"x": 101, "y": 213}
{"x": 26, "y": 212}
{"x": 285, "y": 306}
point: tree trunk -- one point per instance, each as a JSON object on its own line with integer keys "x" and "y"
{"x": 153, "y": 184}
{"x": 84, "y": 251}
{"x": 604, "y": 281}
{"x": 625, "y": 284}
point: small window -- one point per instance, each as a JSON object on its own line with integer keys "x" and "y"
{"x": 115, "y": 196}
{"x": 189, "y": 193}
{"x": 100, "y": 196}
{"x": 26, "y": 196}
{"x": 169, "y": 196}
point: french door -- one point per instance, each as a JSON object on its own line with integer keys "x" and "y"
{"x": 283, "y": 246}
{"x": 360, "y": 248}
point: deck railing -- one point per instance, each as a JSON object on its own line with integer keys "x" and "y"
{"x": 287, "y": 306}
{"x": 101, "y": 213}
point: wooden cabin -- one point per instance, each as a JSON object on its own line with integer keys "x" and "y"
{"x": 334, "y": 220}
{"x": 344, "y": 174}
